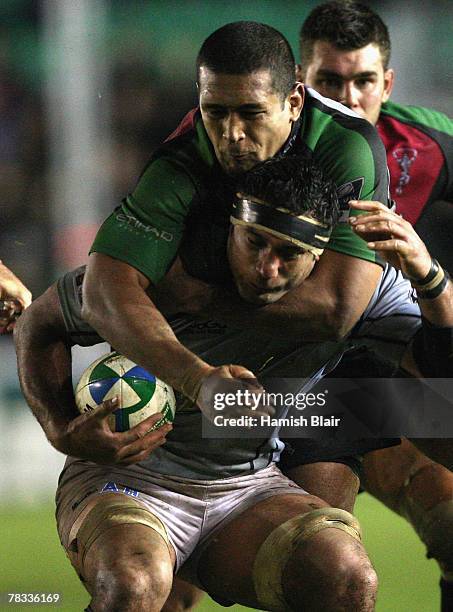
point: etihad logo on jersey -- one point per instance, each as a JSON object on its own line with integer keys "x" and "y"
{"x": 132, "y": 223}
{"x": 346, "y": 192}
{"x": 405, "y": 156}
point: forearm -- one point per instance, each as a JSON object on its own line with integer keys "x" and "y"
{"x": 306, "y": 311}
{"x": 324, "y": 307}
{"x": 123, "y": 314}
{"x": 438, "y": 311}
{"x": 44, "y": 368}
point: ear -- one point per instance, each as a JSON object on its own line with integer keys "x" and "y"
{"x": 296, "y": 101}
{"x": 388, "y": 84}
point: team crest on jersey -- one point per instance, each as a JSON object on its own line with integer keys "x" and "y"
{"x": 349, "y": 191}
{"x": 405, "y": 156}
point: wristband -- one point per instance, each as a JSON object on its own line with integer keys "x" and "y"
{"x": 433, "y": 271}
{"x": 436, "y": 290}
{"x": 192, "y": 380}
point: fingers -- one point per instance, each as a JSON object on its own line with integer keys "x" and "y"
{"x": 90, "y": 437}
{"x": 393, "y": 245}
{"x": 382, "y": 221}
{"x": 23, "y": 295}
{"x": 9, "y": 312}
{"x": 12, "y": 287}
{"x": 382, "y": 227}
{"x": 392, "y": 237}
{"x": 7, "y": 315}
{"x": 142, "y": 429}
{"x": 105, "y": 409}
{"x": 138, "y": 432}
{"x": 368, "y": 205}
{"x": 238, "y": 371}
{"x": 143, "y": 445}
{"x": 249, "y": 378}
{"x": 234, "y": 391}
{"x": 387, "y": 228}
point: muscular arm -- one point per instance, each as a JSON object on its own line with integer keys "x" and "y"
{"x": 325, "y": 307}
{"x": 116, "y": 304}
{"x": 40, "y": 349}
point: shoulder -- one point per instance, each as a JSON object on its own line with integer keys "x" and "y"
{"x": 417, "y": 116}
{"x": 347, "y": 147}
{"x": 189, "y": 144}
{"x": 186, "y": 158}
{"x": 326, "y": 120}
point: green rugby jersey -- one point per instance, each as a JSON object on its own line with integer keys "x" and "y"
{"x": 184, "y": 183}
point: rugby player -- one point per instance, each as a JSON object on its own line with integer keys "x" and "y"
{"x": 250, "y": 109}
{"x": 131, "y": 510}
{"x": 14, "y": 298}
{"x": 345, "y": 54}
{"x": 258, "y": 239}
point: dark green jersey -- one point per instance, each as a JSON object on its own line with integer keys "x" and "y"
{"x": 183, "y": 184}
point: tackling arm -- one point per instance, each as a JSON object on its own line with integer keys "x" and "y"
{"x": 325, "y": 307}
{"x": 116, "y": 304}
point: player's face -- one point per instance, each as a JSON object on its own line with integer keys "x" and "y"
{"x": 265, "y": 267}
{"x": 355, "y": 78}
{"x": 246, "y": 120}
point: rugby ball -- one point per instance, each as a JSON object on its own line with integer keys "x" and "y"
{"x": 140, "y": 393}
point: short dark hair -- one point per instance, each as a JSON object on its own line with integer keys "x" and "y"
{"x": 243, "y": 47}
{"x": 348, "y": 25}
{"x": 293, "y": 182}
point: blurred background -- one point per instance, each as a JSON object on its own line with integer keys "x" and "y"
{"x": 88, "y": 88}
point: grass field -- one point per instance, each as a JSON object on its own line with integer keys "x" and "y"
{"x": 33, "y": 561}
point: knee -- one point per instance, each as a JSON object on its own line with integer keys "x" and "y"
{"x": 427, "y": 502}
{"x": 315, "y": 562}
{"x": 122, "y": 586}
{"x": 435, "y": 528}
{"x": 333, "y": 570}
{"x": 352, "y": 579}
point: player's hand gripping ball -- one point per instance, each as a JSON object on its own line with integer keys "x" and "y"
{"x": 140, "y": 394}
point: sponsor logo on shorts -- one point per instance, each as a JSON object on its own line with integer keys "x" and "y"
{"x": 112, "y": 487}
{"x": 131, "y": 223}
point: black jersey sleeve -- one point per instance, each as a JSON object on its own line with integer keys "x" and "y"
{"x": 69, "y": 289}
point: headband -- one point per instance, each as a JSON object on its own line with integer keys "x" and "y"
{"x": 303, "y": 231}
